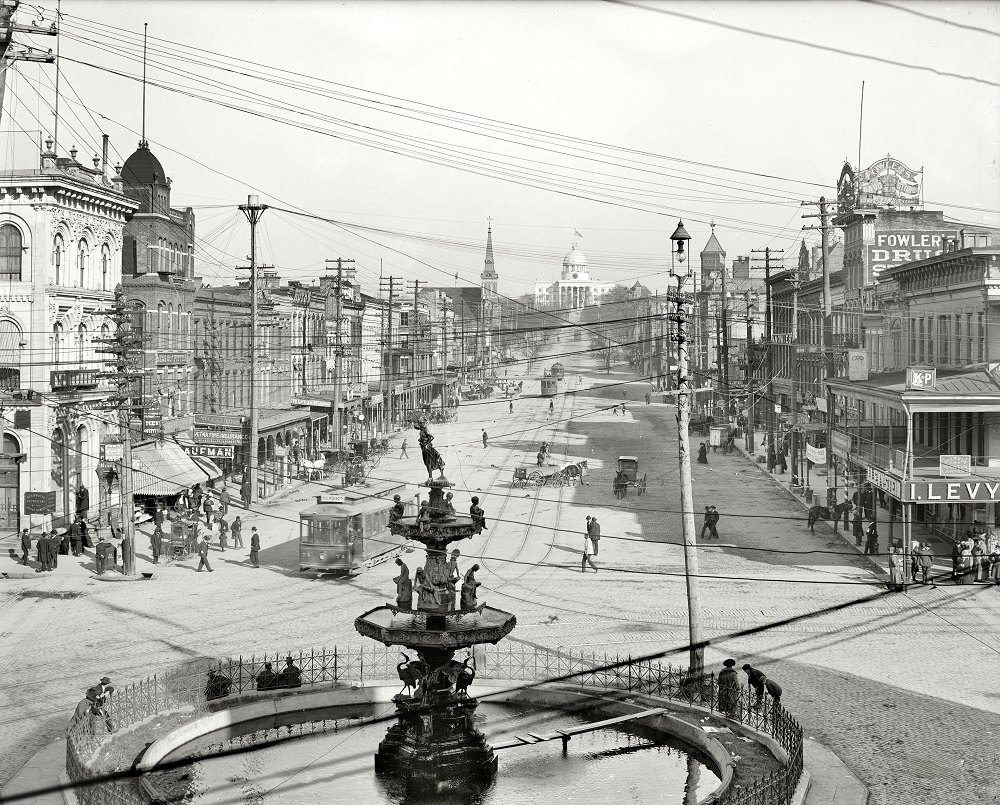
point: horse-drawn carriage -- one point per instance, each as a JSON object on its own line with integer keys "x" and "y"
{"x": 565, "y": 475}
{"x": 628, "y": 476}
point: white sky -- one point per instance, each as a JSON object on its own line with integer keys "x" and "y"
{"x": 628, "y": 77}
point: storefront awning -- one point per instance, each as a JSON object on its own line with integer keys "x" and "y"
{"x": 163, "y": 468}
{"x": 207, "y": 466}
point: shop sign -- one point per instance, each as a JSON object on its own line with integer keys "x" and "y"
{"x": 887, "y": 183}
{"x": 114, "y": 452}
{"x": 892, "y": 249}
{"x": 887, "y": 483}
{"x": 217, "y": 436}
{"x": 821, "y": 405}
{"x": 208, "y": 451}
{"x": 218, "y": 421}
{"x": 164, "y": 357}
{"x": 39, "y": 502}
{"x": 375, "y": 399}
{"x": 940, "y": 489}
{"x": 840, "y": 441}
{"x": 817, "y": 455}
{"x": 331, "y": 497}
{"x": 920, "y": 378}
{"x": 955, "y": 466}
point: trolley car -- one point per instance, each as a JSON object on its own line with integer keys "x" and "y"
{"x": 347, "y": 532}
{"x": 554, "y": 381}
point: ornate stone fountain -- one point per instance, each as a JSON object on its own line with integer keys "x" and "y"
{"x": 434, "y": 743}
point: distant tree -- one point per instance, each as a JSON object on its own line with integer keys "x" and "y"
{"x": 617, "y": 294}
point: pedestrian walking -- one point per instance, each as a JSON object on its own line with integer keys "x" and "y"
{"x": 254, "y": 546}
{"x": 511, "y": 404}
{"x": 224, "y": 501}
{"x": 223, "y": 533}
{"x": 195, "y": 497}
{"x": 782, "y": 461}
{"x": 588, "y": 550}
{"x": 402, "y": 450}
{"x": 203, "y": 556}
{"x": 236, "y": 530}
{"x": 729, "y": 689}
{"x": 25, "y": 546}
{"x": 702, "y": 453}
{"x": 245, "y": 494}
{"x": 772, "y": 460}
{"x": 485, "y": 440}
{"x": 594, "y": 530}
{"x": 209, "y": 507}
{"x": 552, "y": 407}
{"x": 156, "y": 544}
{"x": 859, "y": 525}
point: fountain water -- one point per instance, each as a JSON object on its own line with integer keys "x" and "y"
{"x": 434, "y": 744}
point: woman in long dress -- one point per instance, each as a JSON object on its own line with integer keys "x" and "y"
{"x": 895, "y": 569}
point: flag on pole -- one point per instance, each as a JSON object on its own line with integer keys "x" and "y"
{"x": 577, "y": 233}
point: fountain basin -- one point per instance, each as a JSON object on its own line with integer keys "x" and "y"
{"x": 437, "y": 630}
{"x": 658, "y": 759}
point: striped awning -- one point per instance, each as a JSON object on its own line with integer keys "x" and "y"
{"x": 207, "y": 466}
{"x": 163, "y": 468}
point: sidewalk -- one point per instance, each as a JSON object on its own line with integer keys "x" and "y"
{"x": 940, "y": 547}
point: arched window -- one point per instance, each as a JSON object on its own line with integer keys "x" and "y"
{"x": 82, "y": 259}
{"x": 105, "y": 266}
{"x": 161, "y": 316}
{"x": 168, "y": 339}
{"x": 81, "y": 343}
{"x": 57, "y": 343}
{"x": 11, "y": 340}
{"x": 10, "y": 251}
{"x": 58, "y": 257}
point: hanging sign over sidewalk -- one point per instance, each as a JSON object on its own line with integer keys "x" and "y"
{"x": 817, "y": 455}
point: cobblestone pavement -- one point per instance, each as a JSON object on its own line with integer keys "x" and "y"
{"x": 902, "y": 686}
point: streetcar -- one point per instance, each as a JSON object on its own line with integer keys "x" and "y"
{"x": 554, "y": 381}
{"x": 348, "y": 531}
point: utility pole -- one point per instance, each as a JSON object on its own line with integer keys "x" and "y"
{"x": 253, "y": 210}
{"x": 724, "y": 353}
{"x": 414, "y": 330}
{"x": 7, "y": 28}
{"x": 125, "y": 349}
{"x": 338, "y": 354}
{"x": 391, "y": 284}
{"x": 768, "y": 343}
{"x": 444, "y": 350}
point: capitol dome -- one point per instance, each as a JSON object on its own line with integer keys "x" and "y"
{"x": 575, "y": 258}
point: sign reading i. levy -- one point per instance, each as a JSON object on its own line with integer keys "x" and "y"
{"x": 937, "y": 490}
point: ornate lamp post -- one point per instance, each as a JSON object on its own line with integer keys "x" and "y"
{"x": 679, "y": 271}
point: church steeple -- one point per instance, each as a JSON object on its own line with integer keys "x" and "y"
{"x": 713, "y": 261}
{"x": 489, "y": 276}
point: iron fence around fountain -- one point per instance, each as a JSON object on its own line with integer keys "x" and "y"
{"x": 198, "y": 690}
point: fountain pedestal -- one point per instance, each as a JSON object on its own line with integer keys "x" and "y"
{"x": 434, "y": 743}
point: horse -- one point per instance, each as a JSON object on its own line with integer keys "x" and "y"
{"x": 620, "y": 485}
{"x": 575, "y": 472}
{"x": 823, "y": 513}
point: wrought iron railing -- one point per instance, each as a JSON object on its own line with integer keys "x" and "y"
{"x": 204, "y": 685}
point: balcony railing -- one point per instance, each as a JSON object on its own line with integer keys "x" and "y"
{"x": 72, "y": 379}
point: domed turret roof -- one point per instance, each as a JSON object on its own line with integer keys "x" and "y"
{"x": 142, "y": 168}
{"x": 575, "y": 258}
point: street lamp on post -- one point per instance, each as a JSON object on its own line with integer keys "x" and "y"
{"x": 678, "y": 270}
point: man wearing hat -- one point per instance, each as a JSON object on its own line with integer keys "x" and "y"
{"x": 85, "y": 709}
{"x": 254, "y": 546}
{"x": 42, "y": 552}
{"x": 711, "y": 518}
{"x": 25, "y": 546}
{"x": 594, "y": 530}
{"x": 101, "y": 553}
{"x": 104, "y": 690}
{"x": 729, "y": 688}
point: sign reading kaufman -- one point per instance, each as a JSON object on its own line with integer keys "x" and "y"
{"x": 208, "y": 451}
{"x": 892, "y": 249}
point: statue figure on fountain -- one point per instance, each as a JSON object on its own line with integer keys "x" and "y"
{"x": 469, "y": 586}
{"x": 432, "y": 458}
{"x": 404, "y": 586}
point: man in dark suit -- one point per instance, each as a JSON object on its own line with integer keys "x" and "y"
{"x": 41, "y": 552}
{"x": 53, "y": 546}
{"x": 156, "y": 544}
{"x": 25, "y": 546}
{"x": 594, "y": 530}
{"x": 101, "y": 552}
{"x": 254, "y": 547}
{"x": 75, "y": 538}
{"x": 203, "y": 556}
{"x": 82, "y": 501}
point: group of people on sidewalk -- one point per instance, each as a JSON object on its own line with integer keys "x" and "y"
{"x": 93, "y": 708}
